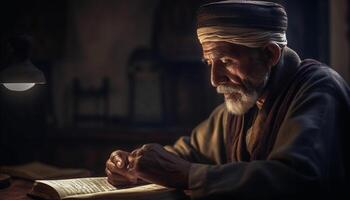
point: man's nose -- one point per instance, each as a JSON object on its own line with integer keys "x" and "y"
{"x": 217, "y": 76}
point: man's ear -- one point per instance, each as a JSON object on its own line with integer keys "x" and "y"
{"x": 273, "y": 52}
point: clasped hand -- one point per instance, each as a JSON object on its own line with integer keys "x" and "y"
{"x": 150, "y": 163}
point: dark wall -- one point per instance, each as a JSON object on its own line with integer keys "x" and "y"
{"x": 25, "y": 116}
{"x": 146, "y": 49}
{"x": 308, "y": 28}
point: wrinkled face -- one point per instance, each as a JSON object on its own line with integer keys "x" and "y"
{"x": 238, "y": 72}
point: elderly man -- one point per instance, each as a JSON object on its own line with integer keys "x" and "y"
{"x": 282, "y": 128}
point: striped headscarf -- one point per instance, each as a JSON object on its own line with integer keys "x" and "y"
{"x": 248, "y": 23}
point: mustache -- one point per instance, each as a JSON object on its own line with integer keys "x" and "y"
{"x": 223, "y": 89}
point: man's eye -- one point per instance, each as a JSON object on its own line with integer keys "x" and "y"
{"x": 225, "y": 60}
{"x": 228, "y": 61}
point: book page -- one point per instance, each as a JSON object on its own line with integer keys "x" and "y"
{"x": 68, "y": 187}
{"x": 144, "y": 192}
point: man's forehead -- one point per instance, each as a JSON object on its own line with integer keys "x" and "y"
{"x": 216, "y": 46}
{"x": 221, "y": 48}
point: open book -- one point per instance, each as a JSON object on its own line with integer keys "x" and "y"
{"x": 99, "y": 188}
{"x": 37, "y": 170}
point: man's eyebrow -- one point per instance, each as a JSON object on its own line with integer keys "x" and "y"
{"x": 220, "y": 52}
{"x": 212, "y": 49}
{"x": 212, "y": 53}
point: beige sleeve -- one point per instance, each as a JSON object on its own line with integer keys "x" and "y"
{"x": 206, "y": 144}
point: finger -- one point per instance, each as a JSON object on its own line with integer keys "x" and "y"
{"x": 113, "y": 154}
{"x": 146, "y": 146}
{"x": 140, "y": 174}
{"x": 151, "y": 146}
{"x": 133, "y": 167}
{"x": 111, "y": 174}
{"x": 113, "y": 181}
{"x": 137, "y": 152}
{"x": 134, "y": 153}
{"x": 131, "y": 160}
{"x": 118, "y": 161}
{"x": 110, "y": 178}
{"x": 112, "y": 167}
{"x": 108, "y": 173}
{"x": 123, "y": 172}
{"x": 120, "y": 158}
{"x": 116, "y": 179}
{"x": 121, "y": 154}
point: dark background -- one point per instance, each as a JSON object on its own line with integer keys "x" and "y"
{"x": 121, "y": 73}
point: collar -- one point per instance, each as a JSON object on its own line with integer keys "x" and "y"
{"x": 281, "y": 75}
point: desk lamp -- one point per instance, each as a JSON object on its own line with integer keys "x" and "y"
{"x": 20, "y": 74}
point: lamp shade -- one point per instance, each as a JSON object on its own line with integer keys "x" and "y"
{"x": 22, "y": 72}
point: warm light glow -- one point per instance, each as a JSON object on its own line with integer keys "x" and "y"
{"x": 19, "y": 86}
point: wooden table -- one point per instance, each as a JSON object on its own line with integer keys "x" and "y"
{"x": 17, "y": 191}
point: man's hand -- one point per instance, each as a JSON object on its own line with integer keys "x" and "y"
{"x": 153, "y": 163}
{"x": 117, "y": 169}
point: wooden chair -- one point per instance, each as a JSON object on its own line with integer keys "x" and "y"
{"x": 91, "y": 105}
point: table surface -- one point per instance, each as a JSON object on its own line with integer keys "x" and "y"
{"x": 17, "y": 191}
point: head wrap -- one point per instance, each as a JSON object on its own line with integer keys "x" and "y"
{"x": 249, "y": 23}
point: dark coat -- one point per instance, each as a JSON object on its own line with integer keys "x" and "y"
{"x": 297, "y": 145}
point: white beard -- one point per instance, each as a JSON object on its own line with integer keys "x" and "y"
{"x": 241, "y": 106}
{"x": 244, "y": 100}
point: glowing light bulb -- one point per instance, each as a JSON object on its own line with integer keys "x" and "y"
{"x": 19, "y": 86}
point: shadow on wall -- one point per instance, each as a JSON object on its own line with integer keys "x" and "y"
{"x": 149, "y": 54}
{"x": 164, "y": 93}
{"x": 93, "y": 40}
